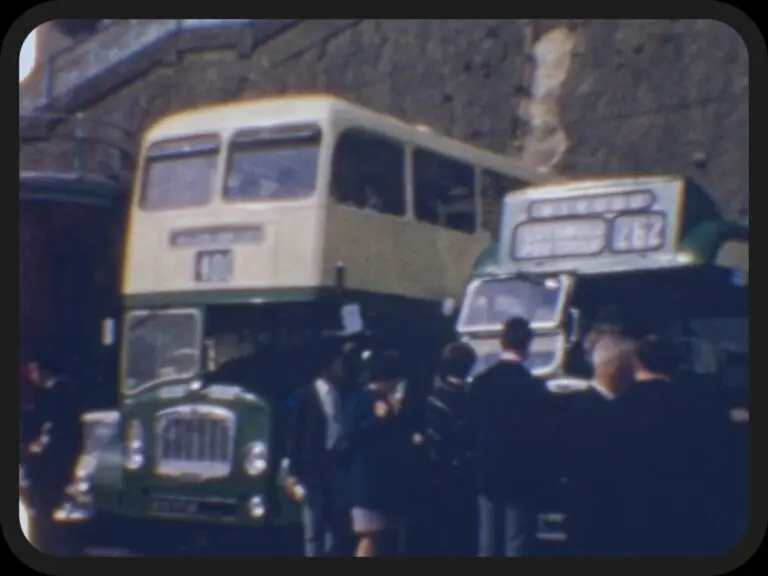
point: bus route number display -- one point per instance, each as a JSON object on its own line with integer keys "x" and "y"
{"x": 559, "y": 238}
{"x": 638, "y": 232}
{"x": 214, "y": 266}
{"x": 572, "y": 237}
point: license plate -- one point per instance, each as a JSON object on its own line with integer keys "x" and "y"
{"x": 174, "y": 506}
{"x": 214, "y": 266}
{"x": 181, "y": 506}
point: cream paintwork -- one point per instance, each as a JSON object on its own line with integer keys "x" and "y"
{"x": 305, "y": 238}
{"x": 397, "y": 255}
{"x": 734, "y": 254}
{"x": 284, "y": 259}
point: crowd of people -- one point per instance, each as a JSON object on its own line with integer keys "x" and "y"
{"x": 631, "y": 462}
{"x": 637, "y": 464}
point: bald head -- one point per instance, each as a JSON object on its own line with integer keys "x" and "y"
{"x": 613, "y": 361}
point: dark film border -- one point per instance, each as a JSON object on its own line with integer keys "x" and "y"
{"x": 758, "y": 63}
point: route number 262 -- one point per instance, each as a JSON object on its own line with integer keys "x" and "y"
{"x": 636, "y": 233}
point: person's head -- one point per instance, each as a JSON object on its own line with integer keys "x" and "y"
{"x": 655, "y": 357}
{"x": 35, "y": 373}
{"x": 517, "y": 335}
{"x": 457, "y": 360}
{"x": 613, "y": 362}
{"x": 384, "y": 367}
{"x": 330, "y": 366}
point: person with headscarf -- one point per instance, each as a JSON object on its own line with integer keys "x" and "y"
{"x": 378, "y": 441}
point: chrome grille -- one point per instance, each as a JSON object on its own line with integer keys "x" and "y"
{"x": 194, "y": 441}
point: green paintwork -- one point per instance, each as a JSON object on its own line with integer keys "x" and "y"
{"x": 107, "y": 479}
{"x": 486, "y": 264}
{"x": 127, "y": 492}
{"x": 705, "y": 240}
{"x": 383, "y": 303}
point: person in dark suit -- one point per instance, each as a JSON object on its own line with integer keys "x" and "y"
{"x": 447, "y": 414}
{"x": 657, "y": 451}
{"x": 52, "y": 443}
{"x": 506, "y": 412}
{"x": 378, "y": 441}
{"x": 315, "y": 474}
{"x": 597, "y": 452}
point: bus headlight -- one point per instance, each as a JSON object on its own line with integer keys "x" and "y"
{"x": 25, "y": 521}
{"x": 134, "y": 445}
{"x": 255, "y": 462}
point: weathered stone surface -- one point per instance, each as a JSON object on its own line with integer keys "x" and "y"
{"x": 579, "y": 97}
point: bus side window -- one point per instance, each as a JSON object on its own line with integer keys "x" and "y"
{"x": 368, "y": 172}
{"x": 444, "y": 191}
{"x": 494, "y": 187}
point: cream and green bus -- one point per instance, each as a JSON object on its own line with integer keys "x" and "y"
{"x": 256, "y": 229}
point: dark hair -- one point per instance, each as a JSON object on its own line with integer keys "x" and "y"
{"x": 657, "y": 354}
{"x": 352, "y": 360}
{"x": 517, "y": 334}
{"x": 457, "y": 360}
{"x": 384, "y": 366}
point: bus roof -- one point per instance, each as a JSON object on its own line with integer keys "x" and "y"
{"x": 606, "y": 185}
{"x": 228, "y": 117}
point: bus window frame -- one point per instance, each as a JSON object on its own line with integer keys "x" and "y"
{"x": 405, "y": 145}
{"x": 146, "y": 159}
{"x": 492, "y": 340}
{"x": 475, "y": 191}
{"x": 567, "y": 283}
{"x": 318, "y": 132}
{"x": 132, "y": 312}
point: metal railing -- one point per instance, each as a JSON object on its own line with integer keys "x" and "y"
{"x": 118, "y": 43}
{"x": 79, "y": 145}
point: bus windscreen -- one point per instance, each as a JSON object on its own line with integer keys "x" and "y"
{"x": 180, "y": 173}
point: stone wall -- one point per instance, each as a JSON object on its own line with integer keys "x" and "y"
{"x": 49, "y": 40}
{"x": 586, "y": 97}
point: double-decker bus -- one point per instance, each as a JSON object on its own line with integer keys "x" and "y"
{"x": 652, "y": 254}
{"x": 257, "y": 228}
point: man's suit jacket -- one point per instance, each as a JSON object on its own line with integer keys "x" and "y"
{"x": 307, "y": 453}
{"x": 597, "y": 471}
{"x": 506, "y": 420}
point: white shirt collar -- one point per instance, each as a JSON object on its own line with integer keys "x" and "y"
{"x": 602, "y": 391}
{"x": 510, "y": 356}
{"x": 323, "y": 385}
{"x": 330, "y": 403}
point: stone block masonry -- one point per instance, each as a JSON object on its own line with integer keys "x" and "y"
{"x": 574, "y": 97}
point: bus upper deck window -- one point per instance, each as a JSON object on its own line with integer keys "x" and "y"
{"x": 369, "y": 172}
{"x": 180, "y": 173}
{"x": 444, "y": 191}
{"x": 273, "y": 163}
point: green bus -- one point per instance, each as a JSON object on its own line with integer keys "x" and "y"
{"x": 654, "y": 253}
{"x": 256, "y": 229}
